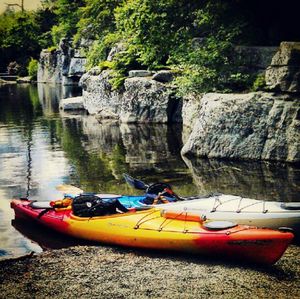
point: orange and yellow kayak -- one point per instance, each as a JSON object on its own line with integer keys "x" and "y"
{"x": 162, "y": 230}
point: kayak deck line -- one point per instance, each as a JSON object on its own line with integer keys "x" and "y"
{"x": 144, "y": 220}
{"x": 218, "y": 204}
{"x": 239, "y": 209}
{"x": 165, "y": 222}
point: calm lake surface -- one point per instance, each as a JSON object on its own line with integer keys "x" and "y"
{"x": 41, "y": 148}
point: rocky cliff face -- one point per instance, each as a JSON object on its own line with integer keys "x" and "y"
{"x": 254, "y": 126}
{"x": 284, "y": 72}
{"x": 254, "y": 59}
{"x": 49, "y": 68}
{"x": 98, "y": 96}
{"x": 149, "y": 97}
{"x": 142, "y": 100}
{"x": 64, "y": 65}
{"x": 146, "y": 100}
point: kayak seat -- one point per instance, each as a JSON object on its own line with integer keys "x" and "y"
{"x": 290, "y": 205}
{"x": 219, "y": 225}
{"x": 149, "y": 199}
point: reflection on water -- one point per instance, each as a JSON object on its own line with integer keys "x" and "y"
{"x": 31, "y": 162}
{"x": 50, "y": 94}
{"x": 151, "y": 146}
{"x": 101, "y": 153}
{"x": 265, "y": 181}
{"x": 41, "y": 147}
{"x": 53, "y": 240}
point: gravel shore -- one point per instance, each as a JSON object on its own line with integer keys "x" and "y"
{"x": 113, "y": 272}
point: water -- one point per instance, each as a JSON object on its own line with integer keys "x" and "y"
{"x": 41, "y": 148}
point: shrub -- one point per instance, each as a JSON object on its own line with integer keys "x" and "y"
{"x": 96, "y": 19}
{"x": 32, "y": 68}
{"x": 106, "y": 65}
{"x": 52, "y": 49}
{"x": 259, "y": 83}
{"x": 97, "y": 54}
{"x": 23, "y": 35}
{"x": 68, "y": 15}
{"x": 209, "y": 67}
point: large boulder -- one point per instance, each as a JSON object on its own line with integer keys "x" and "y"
{"x": 64, "y": 65}
{"x": 140, "y": 73}
{"x": 141, "y": 100}
{"x": 163, "y": 76}
{"x": 50, "y": 67}
{"x": 146, "y": 100}
{"x": 26, "y": 79}
{"x": 255, "y": 59}
{"x": 76, "y": 67}
{"x": 190, "y": 110}
{"x": 74, "y": 103}
{"x": 253, "y": 126}
{"x": 284, "y": 72}
{"x": 98, "y": 95}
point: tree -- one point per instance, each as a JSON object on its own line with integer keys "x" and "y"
{"x": 23, "y": 35}
{"x": 155, "y": 29}
{"x": 97, "y": 18}
{"x": 68, "y": 15}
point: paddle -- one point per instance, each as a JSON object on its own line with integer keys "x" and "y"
{"x": 135, "y": 183}
{"x": 140, "y": 185}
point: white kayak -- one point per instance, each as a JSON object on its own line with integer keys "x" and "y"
{"x": 242, "y": 211}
